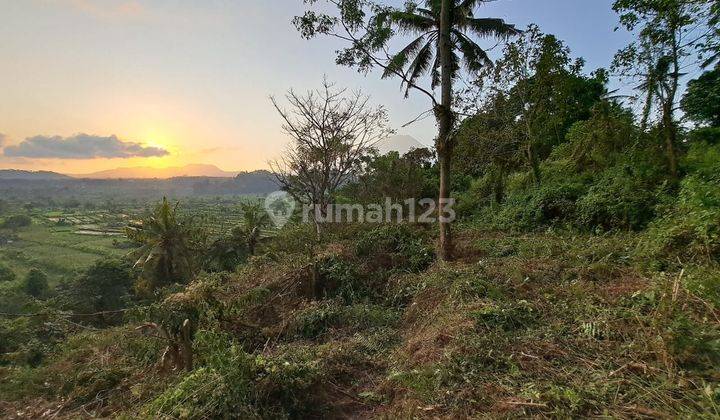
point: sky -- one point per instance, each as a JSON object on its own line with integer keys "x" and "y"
{"x": 89, "y": 85}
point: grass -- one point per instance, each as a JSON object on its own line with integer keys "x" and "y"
{"x": 526, "y": 325}
{"x": 57, "y": 251}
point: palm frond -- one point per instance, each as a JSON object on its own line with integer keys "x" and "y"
{"x": 490, "y": 28}
{"x": 474, "y": 56}
{"x": 400, "y": 60}
{"x": 468, "y": 5}
{"x": 411, "y": 22}
{"x": 435, "y": 73}
{"x": 420, "y": 65}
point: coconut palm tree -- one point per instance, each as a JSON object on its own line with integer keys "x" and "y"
{"x": 165, "y": 255}
{"x": 445, "y": 30}
{"x": 254, "y": 219}
{"x": 232, "y": 249}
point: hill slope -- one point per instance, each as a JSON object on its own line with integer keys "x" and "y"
{"x": 193, "y": 170}
{"x": 534, "y": 325}
{"x": 18, "y": 174}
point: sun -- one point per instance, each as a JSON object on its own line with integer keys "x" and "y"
{"x": 161, "y": 140}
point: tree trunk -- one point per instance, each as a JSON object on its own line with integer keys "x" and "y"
{"x": 252, "y": 240}
{"x": 669, "y": 126}
{"x": 444, "y": 117}
{"x": 533, "y": 161}
{"x": 186, "y": 346}
{"x": 670, "y": 132}
{"x": 646, "y": 109}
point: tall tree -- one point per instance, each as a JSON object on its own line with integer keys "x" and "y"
{"x": 443, "y": 33}
{"x": 525, "y": 104}
{"x": 670, "y": 33}
{"x": 701, "y": 102}
{"x": 332, "y": 130}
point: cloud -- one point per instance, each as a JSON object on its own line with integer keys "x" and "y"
{"x": 81, "y": 146}
{"x": 3, "y": 137}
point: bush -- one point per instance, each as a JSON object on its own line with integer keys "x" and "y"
{"x": 620, "y": 199}
{"x": 339, "y": 278}
{"x": 17, "y": 221}
{"x": 36, "y": 283}
{"x": 233, "y": 384}
{"x": 404, "y": 246}
{"x": 321, "y": 317}
{"x": 104, "y": 286}
{"x": 689, "y": 227}
{"x": 6, "y": 274}
{"x": 551, "y": 203}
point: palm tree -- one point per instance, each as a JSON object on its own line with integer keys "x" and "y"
{"x": 165, "y": 255}
{"x": 228, "y": 251}
{"x": 443, "y": 28}
{"x": 254, "y": 219}
{"x": 661, "y": 84}
{"x": 232, "y": 249}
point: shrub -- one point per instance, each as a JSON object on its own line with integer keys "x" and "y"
{"x": 689, "y": 227}
{"x": 399, "y": 241}
{"x": 339, "y": 278}
{"x": 6, "y": 274}
{"x": 320, "y": 317}
{"x": 233, "y": 384}
{"x": 36, "y": 283}
{"x": 17, "y": 221}
{"x": 506, "y": 316}
{"x": 620, "y": 199}
{"x": 550, "y": 203}
{"x": 104, "y": 286}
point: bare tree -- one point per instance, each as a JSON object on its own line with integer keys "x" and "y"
{"x": 331, "y": 129}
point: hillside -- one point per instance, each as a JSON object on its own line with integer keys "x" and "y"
{"x": 534, "y": 325}
{"x": 399, "y": 143}
{"x": 193, "y": 170}
{"x": 17, "y": 174}
{"x": 62, "y": 188}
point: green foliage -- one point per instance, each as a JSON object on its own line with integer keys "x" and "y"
{"x": 689, "y": 225}
{"x": 702, "y": 100}
{"x": 35, "y": 283}
{"x": 339, "y": 278}
{"x": 104, "y": 286}
{"x": 396, "y": 177}
{"x": 221, "y": 387}
{"x": 20, "y": 338}
{"x": 16, "y": 221}
{"x": 619, "y": 199}
{"x": 542, "y": 206}
{"x": 505, "y": 316}
{"x": 79, "y": 371}
{"x": 231, "y": 383}
{"x": 166, "y": 253}
{"x": 228, "y": 251}
{"x": 318, "y": 319}
{"x": 6, "y": 274}
{"x": 597, "y": 143}
{"x": 400, "y": 242}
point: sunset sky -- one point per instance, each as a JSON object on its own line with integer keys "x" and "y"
{"x": 88, "y": 85}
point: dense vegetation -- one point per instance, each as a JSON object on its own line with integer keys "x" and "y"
{"x": 585, "y": 277}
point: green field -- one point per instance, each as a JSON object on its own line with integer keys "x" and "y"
{"x": 58, "y": 251}
{"x": 61, "y": 242}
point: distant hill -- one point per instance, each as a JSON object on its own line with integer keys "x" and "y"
{"x": 399, "y": 143}
{"x": 34, "y": 175}
{"x": 194, "y": 170}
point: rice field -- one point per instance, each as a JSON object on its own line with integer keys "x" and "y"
{"x": 62, "y": 242}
